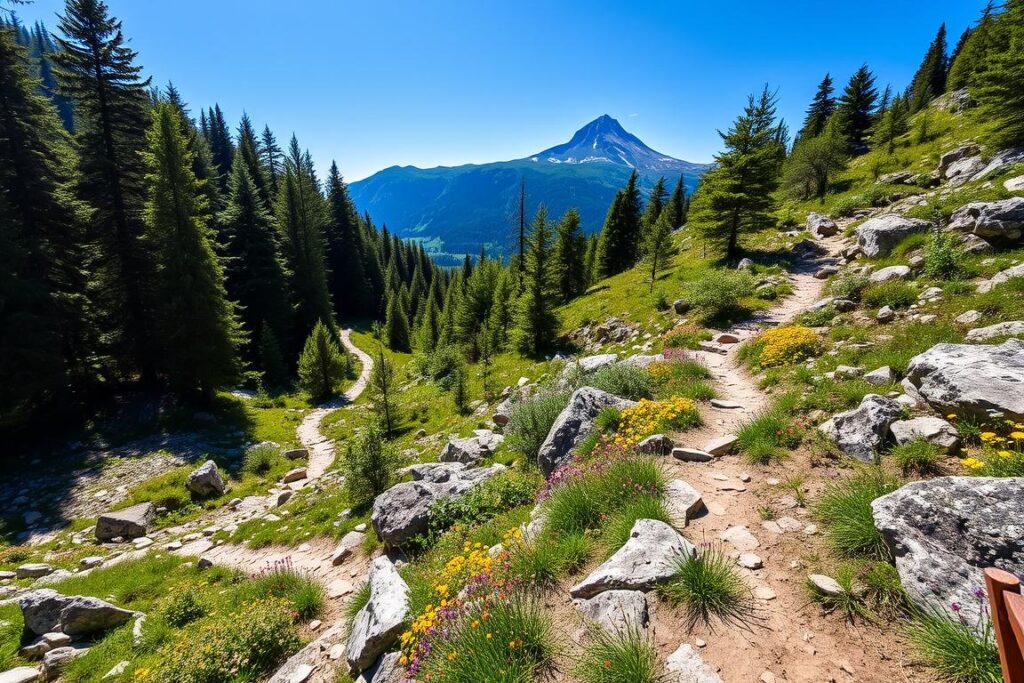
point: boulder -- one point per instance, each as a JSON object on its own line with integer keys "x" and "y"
{"x": 745, "y": 264}
{"x": 972, "y": 244}
{"x": 574, "y": 424}
{"x": 825, "y": 272}
{"x": 686, "y": 666}
{"x": 40, "y": 610}
{"x": 20, "y": 674}
{"x": 825, "y": 585}
{"x": 944, "y": 532}
{"x": 616, "y": 611}
{"x": 959, "y": 154}
{"x": 1014, "y": 184}
{"x": 890, "y": 273}
{"x": 885, "y": 314}
{"x": 682, "y": 501}
{"x": 934, "y": 430}
{"x": 130, "y": 522}
{"x": 642, "y": 361}
{"x": 968, "y": 317}
{"x": 206, "y": 481}
{"x": 1012, "y": 328}
{"x": 969, "y": 379}
{"x": 296, "y": 454}
{"x": 656, "y": 444}
{"x": 649, "y": 557}
{"x": 403, "y": 512}
{"x": 33, "y": 570}
{"x": 55, "y": 660}
{"x": 820, "y": 225}
{"x": 881, "y": 377}
{"x": 680, "y": 306}
{"x": 877, "y": 236}
{"x": 960, "y": 172}
{"x": 83, "y": 616}
{"x": 1001, "y": 220}
{"x": 860, "y": 432}
{"x": 691, "y": 454}
{"x": 386, "y": 670}
{"x": 471, "y": 450}
{"x": 1000, "y": 161}
{"x": 297, "y": 474}
{"x": 721, "y": 445}
{"x": 379, "y": 623}
{"x": 436, "y": 472}
{"x": 897, "y": 178}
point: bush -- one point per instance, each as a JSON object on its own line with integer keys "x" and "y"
{"x": 650, "y": 417}
{"x": 626, "y": 657}
{"x": 260, "y": 459}
{"x": 607, "y": 420}
{"x": 848, "y": 286}
{"x": 443, "y": 365}
{"x": 621, "y": 379}
{"x": 233, "y": 647}
{"x": 370, "y": 466}
{"x": 183, "y": 608}
{"x": 707, "y": 585}
{"x": 917, "y": 457}
{"x": 322, "y": 364}
{"x": 496, "y": 495}
{"x": 845, "y": 509}
{"x": 954, "y": 650}
{"x": 942, "y": 256}
{"x": 817, "y": 318}
{"x": 767, "y": 437}
{"x": 786, "y": 346}
{"x": 688, "y": 337}
{"x": 895, "y": 294}
{"x": 304, "y": 594}
{"x": 717, "y": 294}
{"x": 530, "y": 421}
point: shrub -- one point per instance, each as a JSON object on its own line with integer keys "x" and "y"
{"x": 686, "y": 337}
{"x": 917, "y": 457}
{"x": 956, "y": 652}
{"x": 183, "y": 608}
{"x": 848, "y": 286}
{"x": 717, "y": 294}
{"x": 240, "y": 646}
{"x": 786, "y": 345}
{"x": 443, "y": 364}
{"x": 370, "y": 466}
{"x": 625, "y": 657}
{"x": 845, "y": 509}
{"x": 895, "y": 294}
{"x": 818, "y": 318}
{"x": 846, "y": 206}
{"x": 530, "y": 421}
{"x": 322, "y": 364}
{"x": 707, "y": 585}
{"x": 496, "y": 495}
{"x": 607, "y": 420}
{"x": 304, "y": 594}
{"x": 649, "y": 417}
{"x": 942, "y": 256}
{"x": 621, "y": 379}
{"x": 260, "y": 459}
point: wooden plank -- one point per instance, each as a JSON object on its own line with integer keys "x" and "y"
{"x": 1015, "y": 615}
{"x": 1002, "y": 585}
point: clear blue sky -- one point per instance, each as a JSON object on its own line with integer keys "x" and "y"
{"x": 374, "y": 84}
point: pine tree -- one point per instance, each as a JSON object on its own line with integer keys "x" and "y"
{"x": 96, "y": 71}
{"x": 677, "y": 206}
{"x": 856, "y": 109}
{"x": 271, "y": 359}
{"x": 569, "y": 257}
{"x": 321, "y": 365}
{"x": 736, "y": 196}
{"x": 659, "y": 247}
{"x": 270, "y": 156}
{"x": 656, "y": 201}
{"x": 536, "y": 322}
{"x": 429, "y": 324}
{"x": 891, "y": 125}
{"x": 248, "y": 151}
{"x": 301, "y": 219}
{"x": 382, "y": 393}
{"x": 930, "y": 80}
{"x": 350, "y": 288}
{"x": 46, "y": 344}
{"x": 43, "y": 51}
{"x": 474, "y": 306}
{"x": 256, "y": 278}
{"x": 814, "y": 163}
{"x": 396, "y": 327}
{"x": 500, "y": 321}
{"x": 620, "y": 237}
{"x": 220, "y": 144}
{"x": 590, "y": 260}
{"x": 821, "y": 108}
{"x": 199, "y": 333}
{"x": 1000, "y": 87}
{"x": 971, "y": 58}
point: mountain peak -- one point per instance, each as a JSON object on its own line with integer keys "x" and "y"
{"x": 604, "y": 140}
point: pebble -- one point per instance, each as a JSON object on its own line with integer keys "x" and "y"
{"x": 361, "y": 527}
{"x": 764, "y": 593}
{"x": 315, "y": 624}
{"x": 740, "y": 538}
{"x": 700, "y": 642}
{"x": 744, "y": 477}
{"x": 749, "y": 561}
{"x": 825, "y": 585}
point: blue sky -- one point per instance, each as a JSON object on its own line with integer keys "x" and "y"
{"x": 374, "y": 84}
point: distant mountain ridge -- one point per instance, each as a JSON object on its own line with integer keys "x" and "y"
{"x": 457, "y": 210}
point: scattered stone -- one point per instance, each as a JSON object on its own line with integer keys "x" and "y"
{"x": 885, "y": 315}
{"x": 680, "y": 306}
{"x": 847, "y": 371}
{"x": 471, "y": 450}
{"x": 206, "y": 481}
{"x": 1012, "y": 328}
{"x": 682, "y": 501}
{"x": 762, "y": 592}
{"x": 1001, "y": 277}
{"x": 825, "y": 272}
{"x": 686, "y": 666}
{"x": 297, "y": 474}
{"x": 890, "y": 273}
{"x": 656, "y": 444}
{"x": 1014, "y": 184}
{"x": 825, "y": 585}
{"x": 33, "y": 570}
{"x": 378, "y": 624}
{"x": 349, "y": 542}
{"x": 643, "y": 362}
{"x": 726, "y": 338}
{"x": 691, "y": 454}
{"x": 1001, "y": 220}
{"x": 721, "y": 445}
{"x": 883, "y": 376}
{"x": 616, "y": 611}
{"x": 897, "y": 178}
{"x": 820, "y": 225}
{"x": 296, "y": 454}
{"x": 574, "y": 424}
{"x": 789, "y": 524}
{"x": 943, "y": 532}
{"x": 860, "y": 432}
{"x": 55, "y": 660}
{"x": 713, "y": 347}
{"x": 725, "y": 405}
{"x": 972, "y": 379}
{"x": 844, "y": 305}
{"x": 128, "y": 523}
{"x": 20, "y": 674}
{"x": 284, "y": 497}
{"x": 744, "y": 477}
{"x": 877, "y": 236}
{"x": 934, "y": 430}
{"x": 745, "y": 264}
{"x": 749, "y": 561}
{"x": 959, "y": 154}
{"x": 648, "y": 558}
{"x": 740, "y": 538}
{"x": 968, "y": 317}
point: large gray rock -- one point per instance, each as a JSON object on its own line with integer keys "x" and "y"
{"x": 41, "y": 610}
{"x": 130, "y": 522}
{"x": 47, "y": 611}
{"x": 686, "y": 666}
{"x": 969, "y": 379}
{"x": 386, "y": 670}
{"x": 437, "y": 472}
{"x": 615, "y": 611}
{"x": 877, "y": 236}
{"x": 472, "y": 449}
{"x": 934, "y": 430}
{"x": 574, "y": 424}
{"x": 1012, "y": 328}
{"x": 1001, "y": 220}
{"x": 890, "y": 273}
{"x": 944, "y": 532}
{"x": 959, "y": 154}
{"x": 860, "y": 432}
{"x": 820, "y": 225}
{"x": 682, "y": 501}
{"x": 20, "y": 674}
{"x": 403, "y": 512}
{"x": 644, "y": 361}
{"x": 379, "y": 623}
{"x": 206, "y": 481}
{"x": 649, "y": 557}
{"x": 57, "y": 659}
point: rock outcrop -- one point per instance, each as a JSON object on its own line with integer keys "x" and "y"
{"x": 934, "y": 430}
{"x": 616, "y": 611}
{"x": 999, "y": 221}
{"x": 472, "y": 449}
{"x": 47, "y": 611}
{"x": 860, "y": 432}
{"x": 877, "y": 236}
{"x": 574, "y": 424}
{"x": 971, "y": 379}
{"x": 130, "y": 522}
{"x": 378, "y": 624}
{"x": 944, "y": 532}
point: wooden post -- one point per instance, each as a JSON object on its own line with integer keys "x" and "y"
{"x": 998, "y": 583}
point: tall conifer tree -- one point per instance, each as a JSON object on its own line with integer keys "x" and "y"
{"x": 821, "y": 108}
{"x": 856, "y": 109}
{"x": 349, "y": 285}
{"x": 1000, "y": 87}
{"x": 536, "y": 322}
{"x": 569, "y": 256}
{"x": 930, "y": 79}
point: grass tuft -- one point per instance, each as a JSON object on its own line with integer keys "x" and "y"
{"x": 845, "y": 509}
{"x": 627, "y": 657}
{"x": 708, "y": 586}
